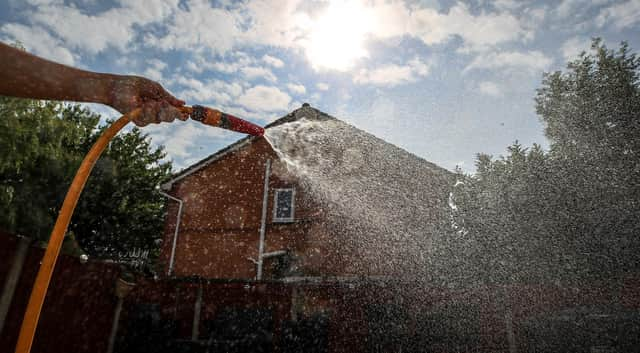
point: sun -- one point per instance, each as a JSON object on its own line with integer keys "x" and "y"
{"x": 337, "y": 37}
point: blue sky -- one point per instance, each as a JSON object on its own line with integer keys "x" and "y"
{"x": 442, "y": 79}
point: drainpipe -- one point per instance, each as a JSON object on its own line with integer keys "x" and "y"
{"x": 263, "y": 221}
{"x": 175, "y": 233}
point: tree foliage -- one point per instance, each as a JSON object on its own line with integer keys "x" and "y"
{"x": 122, "y": 209}
{"x": 43, "y": 144}
{"x": 570, "y": 212}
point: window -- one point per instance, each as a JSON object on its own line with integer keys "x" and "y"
{"x": 283, "y": 207}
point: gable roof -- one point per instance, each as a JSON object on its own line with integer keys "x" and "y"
{"x": 386, "y": 209}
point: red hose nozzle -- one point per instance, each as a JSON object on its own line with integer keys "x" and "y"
{"x": 217, "y": 118}
{"x": 243, "y": 126}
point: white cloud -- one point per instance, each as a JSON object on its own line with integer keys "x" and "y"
{"x": 507, "y": 4}
{"x": 276, "y": 23}
{"x": 38, "y": 41}
{"x": 253, "y": 72}
{"x": 296, "y": 88}
{"x": 181, "y": 138}
{"x": 273, "y": 61}
{"x": 322, "y": 86}
{"x": 620, "y": 15}
{"x": 294, "y": 105}
{"x": 202, "y": 28}
{"x": 532, "y": 61}
{"x": 153, "y": 74}
{"x": 314, "y": 99}
{"x": 391, "y": 19}
{"x": 381, "y": 20}
{"x": 490, "y": 89}
{"x": 392, "y": 74}
{"x": 157, "y": 64}
{"x": 213, "y": 91}
{"x": 532, "y": 18}
{"x": 105, "y": 111}
{"x": 97, "y": 32}
{"x": 478, "y": 32}
{"x": 43, "y": 2}
{"x": 574, "y": 46}
{"x": 234, "y": 88}
{"x": 198, "y": 26}
{"x": 248, "y": 114}
{"x": 154, "y": 69}
{"x": 230, "y": 63}
{"x": 565, "y": 8}
{"x": 264, "y": 98}
{"x": 125, "y": 62}
{"x": 292, "y": 24}
{"x": 572, "y": 9}
{"x": 225, "y": 67}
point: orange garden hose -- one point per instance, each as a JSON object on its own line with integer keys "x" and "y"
{"x": 205, "y": 115}
{"x": 32, "y": 314}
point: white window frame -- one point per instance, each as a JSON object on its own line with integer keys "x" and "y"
{"x": 277, "y": 219}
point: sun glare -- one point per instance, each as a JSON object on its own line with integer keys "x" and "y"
{"x": 337, "y": 37}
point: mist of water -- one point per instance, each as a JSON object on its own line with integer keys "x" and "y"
{"x": 384, "y": 206}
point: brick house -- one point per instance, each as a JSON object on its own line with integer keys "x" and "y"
{"x": 303, "y": 234}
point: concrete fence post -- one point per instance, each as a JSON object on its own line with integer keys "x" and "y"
{"x": 508, "y": 320}
{"x": 11, "y": 282}
{"x": 122, "y": 290}
{"x": 197, "y": 308}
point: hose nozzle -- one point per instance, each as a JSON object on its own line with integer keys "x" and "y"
{"x": 217, "y": 118}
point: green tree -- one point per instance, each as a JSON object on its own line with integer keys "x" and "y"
{"x": 571, "y": 212}
{"x": 591, "y": 114}
{"x": 121, "y": 208}
{"x": 590, "y": 111}
{"x": 43, "y": 144}
{"x": 503, "y": 211}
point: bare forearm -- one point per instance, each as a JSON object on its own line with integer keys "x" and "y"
{"x": 28, "y": 76}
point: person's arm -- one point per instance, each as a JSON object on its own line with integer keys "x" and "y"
{"x": 28, "y": 76}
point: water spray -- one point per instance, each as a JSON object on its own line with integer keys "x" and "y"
{"x": 207, "y": 116}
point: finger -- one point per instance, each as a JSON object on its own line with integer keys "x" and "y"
{"x": 149, "y": 114}
{"x": 173, "y": 100}
{"x": 168, "y": 113}
{"x": 183, "y": 116}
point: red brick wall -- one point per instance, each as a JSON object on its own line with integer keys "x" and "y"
{"x": 219, "y": 230}
{"x": 220, "y": 223}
